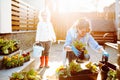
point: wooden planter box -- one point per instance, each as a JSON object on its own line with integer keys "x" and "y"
{"x": 92, "y": 76}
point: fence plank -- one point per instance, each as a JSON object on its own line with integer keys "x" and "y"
{"x": 24, "y": 16}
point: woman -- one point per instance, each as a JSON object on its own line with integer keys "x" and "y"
{"x": 44, "y": 36}
{"x": 81, "y": 31}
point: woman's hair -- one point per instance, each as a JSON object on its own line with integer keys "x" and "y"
{"x": 82, "y": 23}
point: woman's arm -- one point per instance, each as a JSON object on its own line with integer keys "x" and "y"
{"x": 94, "y": 45}
{"x": 68, "y": 41}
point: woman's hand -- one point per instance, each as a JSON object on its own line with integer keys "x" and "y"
{"x": 104, "y": 53}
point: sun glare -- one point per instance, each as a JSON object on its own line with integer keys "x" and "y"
{"x": 83, "y": 5}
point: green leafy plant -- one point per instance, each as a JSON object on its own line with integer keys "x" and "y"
{"x": 63, "y": 71}
{"x": 5, "y": 46}
{"x": 17, "y": 75}
{"x": 32, "y": 75}
{"x": 8, "y": 46}
{"x": 29, "y": 75}
{"x": 92, "y": 67}
{"x": 20, "y": 60}
{"x": 13, "y": 45}
{"x": 26, "y": 56}
{"x": 112, "y": 75}
{"x": 13, "y": 61}
{"x": 68, "y": 70}
{"x": 74, "y": 67}
{"x": 80, "y": 46}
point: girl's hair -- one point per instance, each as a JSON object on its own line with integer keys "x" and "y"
{"x": 82, "y": 23}
{"x": 44, "y": 13}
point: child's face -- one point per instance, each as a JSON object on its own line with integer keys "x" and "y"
{"x": 44, "y": 16}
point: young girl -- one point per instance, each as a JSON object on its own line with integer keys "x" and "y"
{"x": 44, "y": 36}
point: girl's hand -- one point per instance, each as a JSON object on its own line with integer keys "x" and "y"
{"x": 37, "y": 42}
{"x": 54, "y": 40}
{"x": 67, "y": 48}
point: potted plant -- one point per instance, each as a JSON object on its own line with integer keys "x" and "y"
{"x": 13, "y": 45}
{"x": 92, "y": 67}
{"x": 17, "y": 76}
{"x": 80, "y": 46}
{"x": 80, "y": 51}
{"x": 8, "y": 46}
{"x": 4, "y": 46}
{"x": 20, "y": 60}
{"x": 25, "y": 75}
{"x": 112, "y": 75}
{"x": 74, "y": 68}
{"x": 26, "y": 56}
{"x": 63, "y": 71}
{"x": 7, "y": 62}
{"x": 13, "y": 61}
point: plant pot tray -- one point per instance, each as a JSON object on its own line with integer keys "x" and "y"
{"x": 2, "y": 54}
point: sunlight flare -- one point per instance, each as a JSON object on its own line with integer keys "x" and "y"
{"x": 83, "y": 5}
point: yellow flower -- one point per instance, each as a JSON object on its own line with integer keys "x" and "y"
{"x": 9, "y": 59}
{"x": 60, "y": 68}
{"x": 5, "y": 57}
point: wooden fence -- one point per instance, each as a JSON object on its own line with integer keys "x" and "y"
{"x": 24, "y": 16}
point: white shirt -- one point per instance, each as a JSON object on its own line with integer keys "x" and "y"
{"x": 45, "y": 32}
